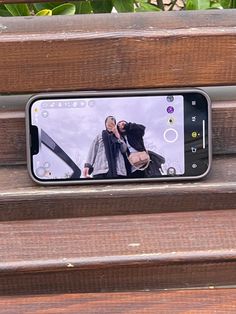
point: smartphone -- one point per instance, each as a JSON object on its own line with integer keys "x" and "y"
{"x": 119, "y": 136}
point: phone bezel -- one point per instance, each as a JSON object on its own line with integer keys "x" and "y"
{"x": 114, "y": 93}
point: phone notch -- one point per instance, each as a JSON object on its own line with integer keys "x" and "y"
{"x": 34, "y": 139}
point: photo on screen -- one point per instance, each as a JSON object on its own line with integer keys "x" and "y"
{"x": 109, "y": 137}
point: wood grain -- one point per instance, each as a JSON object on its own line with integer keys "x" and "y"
{"x": 116, "y": 253}
{"x": 113, "y": 51}
{"x": 13, "y": 145}
{"x": 224, "y": 127}
{"x": 21, "y": 199}
{"x": 195, "y": 236}
{"x": 121, "y": 278}
{"x": 203, "y": 301}
{"x": 12, "y": 137}
{"x": 175, "y": 243}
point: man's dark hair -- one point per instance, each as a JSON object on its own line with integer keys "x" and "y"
{"x": 110, "y": 117}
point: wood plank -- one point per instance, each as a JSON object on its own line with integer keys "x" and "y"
{"x": 224, "y": 127}
{"x": 168, "y": 250}
{"x": 202, "y": 301}
{"x": 13, "y": 145}
{"x": 21, "y": 199}
{"x": 12, "y": 137}
{"x": 112, "y": 51}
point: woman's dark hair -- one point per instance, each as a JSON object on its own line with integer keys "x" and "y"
{"x": 118, "y": 124}
{"x": 122, "y": 121}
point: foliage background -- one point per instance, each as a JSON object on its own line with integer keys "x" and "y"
{"x": 108, "y": 6}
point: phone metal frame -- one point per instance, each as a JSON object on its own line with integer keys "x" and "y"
{"x": 113, "y": 93}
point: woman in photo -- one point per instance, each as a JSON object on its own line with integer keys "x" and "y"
{"x": 133, "y": 133}
{"x": 105, "y": 158}
{"x": 148, "y": 163}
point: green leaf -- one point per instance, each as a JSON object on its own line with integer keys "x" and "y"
{"x": 83, "y": 7}
{"x": 44, "y": 12}
{"x": 64, "y": 9}
{"x": 225, "y": 4}
{"x": 144, "y": 7}
{"x": 197, "y": 4}
{"x": 124, "y": 5}
{"x": 18, "y": 9}
{"x": 102, "y": 6}
{"x": 216, "y": 5}
{"x": 45, "y": 5}
{"x": 4, "y": 11}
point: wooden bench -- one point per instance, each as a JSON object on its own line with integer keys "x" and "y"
{"x": 112, "y": 248}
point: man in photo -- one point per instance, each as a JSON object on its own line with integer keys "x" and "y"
{"x": 105, "y": 158}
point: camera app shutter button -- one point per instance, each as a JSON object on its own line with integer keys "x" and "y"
{"x": 170, "y": 135}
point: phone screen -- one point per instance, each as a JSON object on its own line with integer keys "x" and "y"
{"x": 119, "y": 137}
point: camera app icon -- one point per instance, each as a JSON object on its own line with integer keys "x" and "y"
{"x": 44, "y": 113}
{"x": 91, "y": 103}
{"x": 170, "y": 98}
{"x": 171, "y": 171}
{"x": 170, "y": 109}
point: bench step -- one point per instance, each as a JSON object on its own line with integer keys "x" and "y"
{"x": 168, "y": 302}
{"x": 21, "y": 199}
{"x": 88, "y": 50}
{"x": 117, "y": 253}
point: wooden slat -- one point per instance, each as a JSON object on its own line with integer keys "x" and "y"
{"x": 21, "y": 199}
{"x": 12, "y": 137}
{"x": 224, "y": 127}
{"x": 202, "y": 301}
{"x": 13, "y": 146}
{"x": 137, "y": 252}
{"x": 111, "y": 51}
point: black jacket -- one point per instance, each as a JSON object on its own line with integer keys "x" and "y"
{"x": 135, "y": 133}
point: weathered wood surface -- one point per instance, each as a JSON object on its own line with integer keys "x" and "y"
{"x": 21, "y": 199}
{"x": 117, "y": 51}
{"x": 224, "y": 127}
{"x": 106, "y": 248}
{"x": 117, "y": 253}
{"x": 204, "y": 301}
{"x": 13, "y": 145}
{"x": 12, "y": 137}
